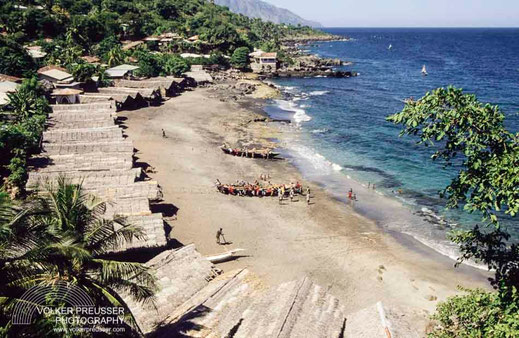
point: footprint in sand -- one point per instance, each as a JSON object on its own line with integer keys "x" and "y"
{"x": 381, "y": 269}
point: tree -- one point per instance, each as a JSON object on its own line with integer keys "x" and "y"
{"x": 471, "y": 135}
{"x": 20, "y": 136}
{"x": 73, "y": 249}
{"x": 14, "y": 60}
{"x": 240, "y": 58}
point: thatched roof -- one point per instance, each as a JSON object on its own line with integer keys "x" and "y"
{"x": 181, "y": 273}
{"x": 124, "y": 146}
{"x": 4, "y": 77}
{"x": 66, "y": 92}
{"x": 91, "y": 59}
{"x": 127, "y": 45}
{"x": 84, "y": 144}
{"x": 84, "y": 107}
{"x": 238, "y": 304}
{"x": 81, "y": 135}
{"x": 200, "y": 76}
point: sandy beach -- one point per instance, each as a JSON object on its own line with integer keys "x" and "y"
{"x": 326, "y": 240}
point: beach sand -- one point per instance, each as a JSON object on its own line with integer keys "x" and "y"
{"x": 326, "y": 241}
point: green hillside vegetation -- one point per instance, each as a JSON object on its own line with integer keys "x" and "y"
{"x": 93, "y": 27}
{"x": 69, "y": 29}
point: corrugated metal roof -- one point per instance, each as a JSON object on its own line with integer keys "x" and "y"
{"x": 124, "y": 67}
{"x": 120, "y": 71}
{"x": 56, "y": 74}
{"x": 116, "y": 72}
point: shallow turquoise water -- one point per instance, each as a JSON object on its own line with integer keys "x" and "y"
{"x": 339, "y": 128}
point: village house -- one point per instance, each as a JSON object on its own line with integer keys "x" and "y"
{"x": 121, "y": 71}
{"x": 261, "y": 62}
{"x": 35, "y": 52}
{"x": 58, "y": 77}
{"x": 169, "y": 37}
{"x": 66, "y": 95}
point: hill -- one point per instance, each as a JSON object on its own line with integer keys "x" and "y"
{"x": 265, "y": 11}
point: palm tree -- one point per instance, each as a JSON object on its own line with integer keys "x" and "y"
{"x": 17, "y": 236}
{"x": 74, "y": 249}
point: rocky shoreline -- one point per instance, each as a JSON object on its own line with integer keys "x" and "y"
{"x": 307, "y": 65}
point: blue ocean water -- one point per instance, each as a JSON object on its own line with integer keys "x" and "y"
{"x": 340, "y": 137}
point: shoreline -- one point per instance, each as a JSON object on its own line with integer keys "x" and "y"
{"x": 442, "y": 255}
{"x": 327, "y": 241}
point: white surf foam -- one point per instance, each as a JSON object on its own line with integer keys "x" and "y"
{"x": 318, "y": 92}
{"x": 316, "y": 160}
{"x": 299, "y": 113}
{"x": 319, "y": 131}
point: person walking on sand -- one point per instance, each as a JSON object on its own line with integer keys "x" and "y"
{"x": 308, "y": 199}
{"x": 280, "y": 196}
{"x": 219, "y": 234}
{"x": 163, "y": 134}
{"x": 291, "y": 195}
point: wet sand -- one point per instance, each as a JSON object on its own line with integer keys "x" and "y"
{"x": 327, "y": 241}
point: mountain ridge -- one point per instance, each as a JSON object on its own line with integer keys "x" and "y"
{"x": 263, "y": 10}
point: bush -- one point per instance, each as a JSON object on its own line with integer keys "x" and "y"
{"x": 240, "y": 58}
{"x": 173, "y": 65}
{"x": 83, "y": 72}
{"x": 107, "y": 44}
{"x": 149, "y": 64}
{"x": 478, "y": 314}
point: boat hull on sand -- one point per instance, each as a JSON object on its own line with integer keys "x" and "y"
{"x": 227, "y": 256}
{"x": 265, "y": 154}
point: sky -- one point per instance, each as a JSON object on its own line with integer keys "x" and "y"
{"x": 406, "y": 13}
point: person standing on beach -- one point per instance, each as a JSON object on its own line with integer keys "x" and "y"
{"x": 163, "y": 134}
{"x": 307, "y": 198}
{"x": 292, "y": 195}
{"x": 219, "y": 234}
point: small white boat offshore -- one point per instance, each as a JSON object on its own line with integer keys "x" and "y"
{"x": 424, "y": 71}
{"x": 390, "y": 47}
{"x": 227, "y": 256}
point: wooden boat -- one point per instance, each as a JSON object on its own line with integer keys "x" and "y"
{"x": 227, "y": 256}
{"x": 257, "y": 153}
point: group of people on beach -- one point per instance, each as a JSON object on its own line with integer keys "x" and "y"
{"x": 242, "y": 188}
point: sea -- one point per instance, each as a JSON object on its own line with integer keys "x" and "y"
{"x": 340, "y": 139}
